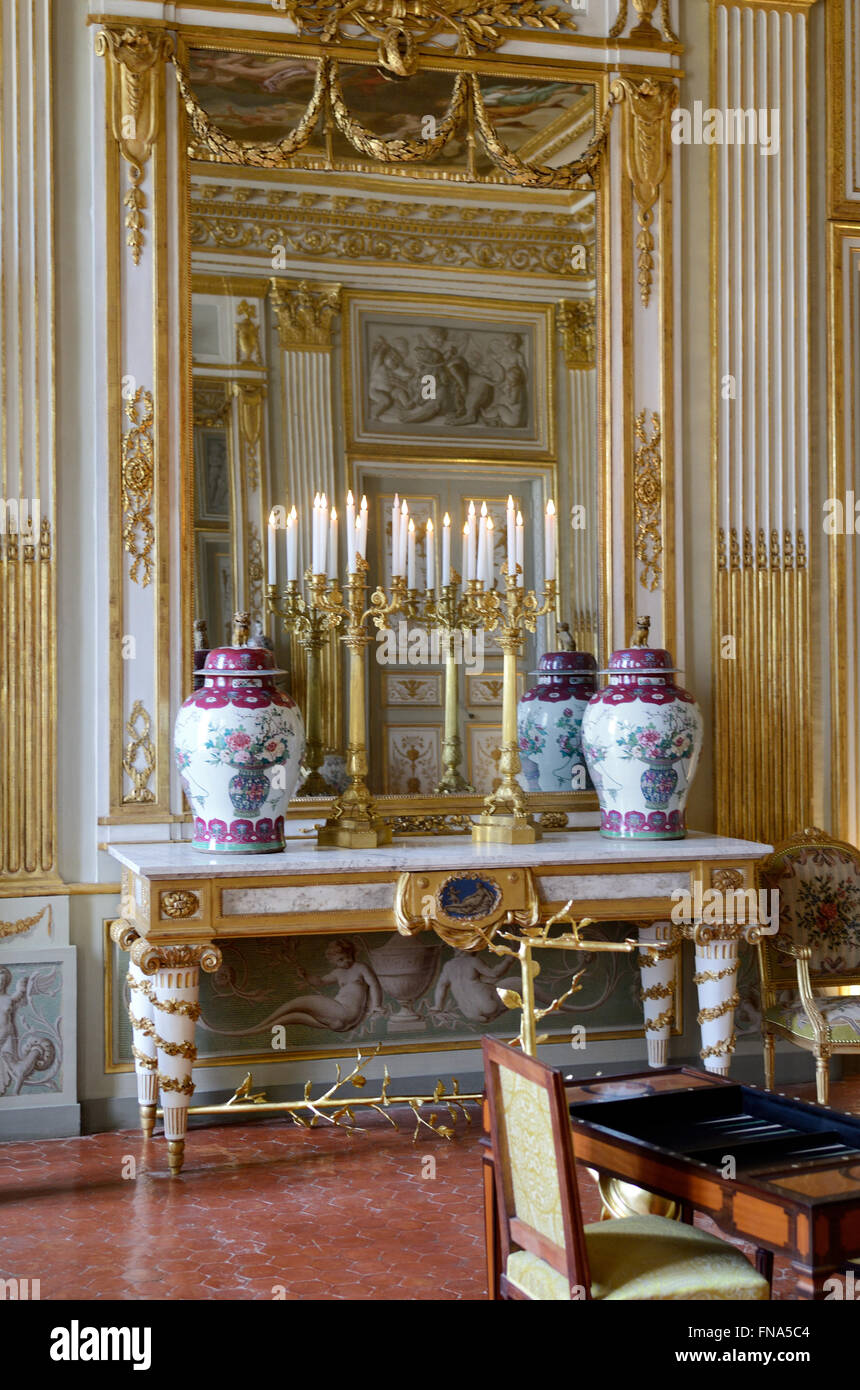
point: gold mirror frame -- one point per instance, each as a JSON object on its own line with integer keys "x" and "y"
{"x": 147, "y": 213}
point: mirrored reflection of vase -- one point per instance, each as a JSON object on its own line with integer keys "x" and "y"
{"x": 238, "y": 744}
{"x": 641, "y": 737}
{"x": 549, "y": 723}
{"x": 406, "y": 967}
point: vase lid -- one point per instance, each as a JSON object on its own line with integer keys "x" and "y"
{"x": 566, "y": 663}
{"x": 645, "y": 659}
{"x": 240, "y": 661}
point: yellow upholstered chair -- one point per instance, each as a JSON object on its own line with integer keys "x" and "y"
{"x": 546, "y": 1252}
{"x": 810, "y": 971}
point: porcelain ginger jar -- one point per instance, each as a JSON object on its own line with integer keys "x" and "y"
{"x": 642, "y": 736}
{"x": 549, "y": 723}
{"x": 238, "y": 744}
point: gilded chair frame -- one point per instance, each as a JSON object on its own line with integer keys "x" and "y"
{"x": 785, "y": 965}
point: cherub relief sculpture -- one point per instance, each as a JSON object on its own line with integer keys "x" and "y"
{"x": 473, "y": 983}
{"x": 458, "y": 379}
{"x": 37, "y": 1052}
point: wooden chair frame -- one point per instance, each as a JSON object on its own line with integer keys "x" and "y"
{"x": 775, "y": 957}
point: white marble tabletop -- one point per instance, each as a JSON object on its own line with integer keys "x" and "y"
{"x": 177, "y": 859}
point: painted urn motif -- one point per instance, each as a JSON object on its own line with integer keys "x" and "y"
{"x": 642, "y": 736}
{"x": 238, "y": 744}
{"x": 549, "y": 723}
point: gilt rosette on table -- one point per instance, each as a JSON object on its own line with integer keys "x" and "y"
{"x": 642, "y": 736}
{"x": 238, "y": 746}
{"x": 549, "y": 723}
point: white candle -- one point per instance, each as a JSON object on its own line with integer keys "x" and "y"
{"x": 410, "y": 556}
{"x": 549, "y": 540}
{"x": 323, "y": 533}
{"x": 467, "y": 551}
{"x": 332, "y": 545}
{"x": 402, "y": 536}
{"x": 395, "y": 537}
{"x": 471, "y": 567}
{"x": 482, "y": 543}
{"x": 446, "y": 550}
{"x": 362, "y": 517}
{"x": 315, "y": 535}
{"x": 488, "y": 552}
{"x": 273, "y": 547}
{"x": 521, "y": 563}
{"x": 350, "y": 532}
{"x": 292, "y": 555}
{"x": 430, "y": 543}
{"x": 512, "y": 535}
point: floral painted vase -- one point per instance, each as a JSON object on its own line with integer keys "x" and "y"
{"x": 238, "y": 744}
{"x": 549, "y": 723}
{"x": 642, "y": 736}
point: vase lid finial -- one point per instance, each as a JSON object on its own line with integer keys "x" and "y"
{"x": 640, "y": 636}
{"x": 241, "y": 629}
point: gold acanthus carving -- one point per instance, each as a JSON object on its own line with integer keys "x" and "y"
{"x": 250, "y": 395}
{"x": 179, "y": 902}
{"x": 648, "y": 500}
{"x": 577, "y": 325}
{"x": 150, "y": 957}
{"x": 138, "y": 481}
{"x": 256, "y": 571}
{"x": 727, "y": 879}
{"x": 647, "y": 109}
{"x": 305, "y": 313}
{"x": 645, "y": 31}
{"x": 338, "y": 227}
{"x": 399, "y": 29}
{"x": 135, "y": 55}
{"x": 211, "y": 404}
{"x": 24, "y": 924}
{"x": 140, "y": 745}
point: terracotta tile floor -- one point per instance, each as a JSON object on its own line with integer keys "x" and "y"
{"x": 261, "y": 1209}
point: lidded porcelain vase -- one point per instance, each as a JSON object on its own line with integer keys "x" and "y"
{"x": 549, "y": 723}
{"x": 238, "y": 744}
{"x": 642, "y": 736}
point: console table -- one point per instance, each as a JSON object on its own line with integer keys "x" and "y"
{"x": 178, "y": 904}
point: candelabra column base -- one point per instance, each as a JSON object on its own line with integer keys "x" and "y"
{"x": 502, "y": 828}
{"x": 354, "y": 834}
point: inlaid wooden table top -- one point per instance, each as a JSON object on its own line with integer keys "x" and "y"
{"x": 169, "y": 860}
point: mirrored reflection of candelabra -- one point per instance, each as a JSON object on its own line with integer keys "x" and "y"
{"x": 310, "y": 622}
{"x": 450, "y": 613}
{"x": 506, "y": 818}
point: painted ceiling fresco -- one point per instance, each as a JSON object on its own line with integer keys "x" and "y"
{"x": 255, "y": 96}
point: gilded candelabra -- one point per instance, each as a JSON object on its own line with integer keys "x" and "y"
{"x": 353, "y": 822}
{"x": 451, "y": 612}
{"x": 505, "y": 819}
{"x": 310, "y": 622}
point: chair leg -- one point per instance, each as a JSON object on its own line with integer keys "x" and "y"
{"x": 764, "y": 1264}
{"x": 768, "y": 1042}
{"x": 822, "y": 1079}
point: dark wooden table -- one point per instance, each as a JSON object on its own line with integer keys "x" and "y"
{"x": 796, "y": 1189}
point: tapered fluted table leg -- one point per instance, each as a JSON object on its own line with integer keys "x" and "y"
{"x": 716, "y": 980}
{"x": 658, "y": 989}
{"x": 176, "y": 975}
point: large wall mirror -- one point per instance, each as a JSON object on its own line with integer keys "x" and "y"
{"x": 325, "y": 294}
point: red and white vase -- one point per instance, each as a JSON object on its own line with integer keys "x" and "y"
{"x": 642, "y": 736}
{"x": 549, "y": 723}
{"x": 238, "y": 745}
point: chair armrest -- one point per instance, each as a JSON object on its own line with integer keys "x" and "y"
{"x": 802, "y": 955}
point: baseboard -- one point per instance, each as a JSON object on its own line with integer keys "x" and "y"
{"x": 44, "y": 1122}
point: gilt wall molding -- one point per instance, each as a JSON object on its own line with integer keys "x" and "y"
{"x": 645, "y": 30}
{"x": 576, "y": 320}
{"x": 648, "y": 500}
{"x": 134, "y": 54}
{"x": 646, "y": 112}
{"x": 140, "y": 758}
{"x": 305, "y": 314}
{"x": 138, "y": 485}
{"x": 250, "y": 396}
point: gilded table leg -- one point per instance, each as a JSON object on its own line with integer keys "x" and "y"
{"x": 176, "y": 974}
{"x": 141, "y": 1013}
{"x": 658, "y": 990}
{"x": 768, "y": 1043}
{"x": 716, "y": 980}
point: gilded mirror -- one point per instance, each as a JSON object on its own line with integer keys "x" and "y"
{"x": 326, "y": 293}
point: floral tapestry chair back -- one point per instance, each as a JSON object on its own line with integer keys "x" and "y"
{"x": 810, "y": 971}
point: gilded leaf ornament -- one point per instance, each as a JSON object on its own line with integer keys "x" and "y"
{"x": 647, "y": 109}
{"x": 577, "y": 326}
{"x": 304, "y": 312}
{"x": 648, "y": 500}
{"x": 645, "y": 29}
{"x": 138, "y": 480}
{"x": 135, "y": 54}
{"x": 399, "y": 27}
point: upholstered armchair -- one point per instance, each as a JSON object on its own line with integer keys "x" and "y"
{"x": 810, "y": 971}
{"x": 546, "y": 1251}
